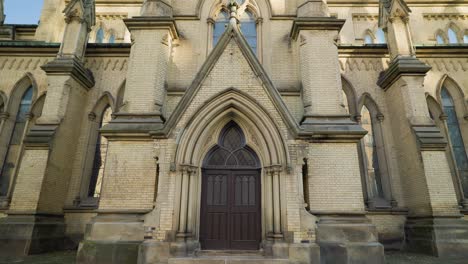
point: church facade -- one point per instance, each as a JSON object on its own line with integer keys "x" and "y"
{"x": 227, "y": 131}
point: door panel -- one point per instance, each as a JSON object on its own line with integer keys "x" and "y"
{"x": 230, "y": 210}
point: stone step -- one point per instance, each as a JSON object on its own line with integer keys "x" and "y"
{"x": 221, "y": 253}
{"x": 228, "y": 260}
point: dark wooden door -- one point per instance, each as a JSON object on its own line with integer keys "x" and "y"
{"x": 230, "y": 209}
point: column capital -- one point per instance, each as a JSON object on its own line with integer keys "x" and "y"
{"x": 272, "y": 169}
{"x": 188, "y": 168}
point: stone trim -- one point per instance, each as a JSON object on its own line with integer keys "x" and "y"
{"x": 402, "y": 66}
{"x": 429, "y": 137}
{"x": 72, "y": 67}
{"x": 148, "y": 23}
{"x": 40, "y": 136}
{"x": 315, "y": 23}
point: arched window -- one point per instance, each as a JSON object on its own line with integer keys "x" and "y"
{"x": 465, "y": 38}
{"x": 440, "y": 39}
{"x": 374, "y": 169}
{"x": 112, "y": 38}
{"x": 14, "y": 147}
{"x": 100, "y": 36}
{"x": 380, "y": 34}
{"x": 97, "y": 172}
{"x": 455, "y": 137}
{"x": 248, "y": 27}
{"x": 368, "y": 39}
{"x": 452, "y": 36}
{"x": 220, "y": 26}
{"x": 370, "y": 155}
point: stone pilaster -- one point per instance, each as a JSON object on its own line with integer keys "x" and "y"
{"x": 131, "y": 152}
{"x": 152, "y": 36}
{"x": 434, "y": 223}
{"x": 344, "y": 234}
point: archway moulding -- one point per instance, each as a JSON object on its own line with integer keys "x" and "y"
{"x": 262, "y": 135}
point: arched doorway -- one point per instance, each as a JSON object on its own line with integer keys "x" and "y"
{"x": 231, "y": 194}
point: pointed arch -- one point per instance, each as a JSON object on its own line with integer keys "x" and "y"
{"x": 95, "y": 151}
{"x": 263, "y": 136}
{"x": 440, "y": 37}
{"x": 368, "y": 37}
{"x": 262, "y": 7}
{"x": 455, "y": 90}
{"x": 367, "y": 100}
{"x": 453, "y": 33}
{"x": 351, "y": 98}
{"x": 373, "y": 157}
{"x": 18, "y": 90}
{"x": 19, "y": 107}
{"x": 105, "y": 100}
{"x": 452, "y": 100}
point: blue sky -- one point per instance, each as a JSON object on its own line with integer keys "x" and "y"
{"x": 22, "y": 11}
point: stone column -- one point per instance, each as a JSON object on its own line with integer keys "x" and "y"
{"x": 35, "y": 222}
{"x": 434, "y": 223}
{"x": 277, "y": 233}
{"x": 335, "y": 189}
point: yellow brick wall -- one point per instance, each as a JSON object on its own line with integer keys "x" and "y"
{"x": 129, "y": 176}
{"x": 334, "y": 178}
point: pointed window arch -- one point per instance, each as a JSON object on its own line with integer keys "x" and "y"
{"x": 220, "y": 26}
{"x": 248, "y": 15}
{"x": 99, "y": 160}
{"x": 112, "y": 38}
{"x": 440, "y": 39}
{"x": 232, "y": 150}
{"x": 370, "y": 153}
{"x": 16, "y": 138}
{"x": 373, "y": 158}
{"x": 452, "y": 36}
{"x": 248, "y": 26}
{"x": 380, "y": 36}
{"x": 368, "y": 39}
{"x": 96, "y": 153}
{"x": 100, "y": 35}
{"x": 455, "y": 138}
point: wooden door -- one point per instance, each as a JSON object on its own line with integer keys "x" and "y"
{"x": 231, "y": 209}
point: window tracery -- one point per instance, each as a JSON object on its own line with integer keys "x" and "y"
{"x": 248, "y": 15}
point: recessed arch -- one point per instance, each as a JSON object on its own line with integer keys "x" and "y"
{"x": 209, "y": 8}
{"x": 367, "y": 100}
{"x": 261, "y": 132}
{"x": 105, "y": 100}
{"x": 18, "y": 90}
{"x": 351, "y": 98}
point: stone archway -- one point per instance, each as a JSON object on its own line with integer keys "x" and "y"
{"x": 200, "y": 135}
{"x": 231, "y": 194}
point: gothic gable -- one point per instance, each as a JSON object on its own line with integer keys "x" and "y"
{"x": 231, "y": 65}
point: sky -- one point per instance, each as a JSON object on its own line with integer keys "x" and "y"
{"x": 22, "y": 11}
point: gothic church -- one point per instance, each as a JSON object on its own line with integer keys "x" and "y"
{"x": 229, "y": 131}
